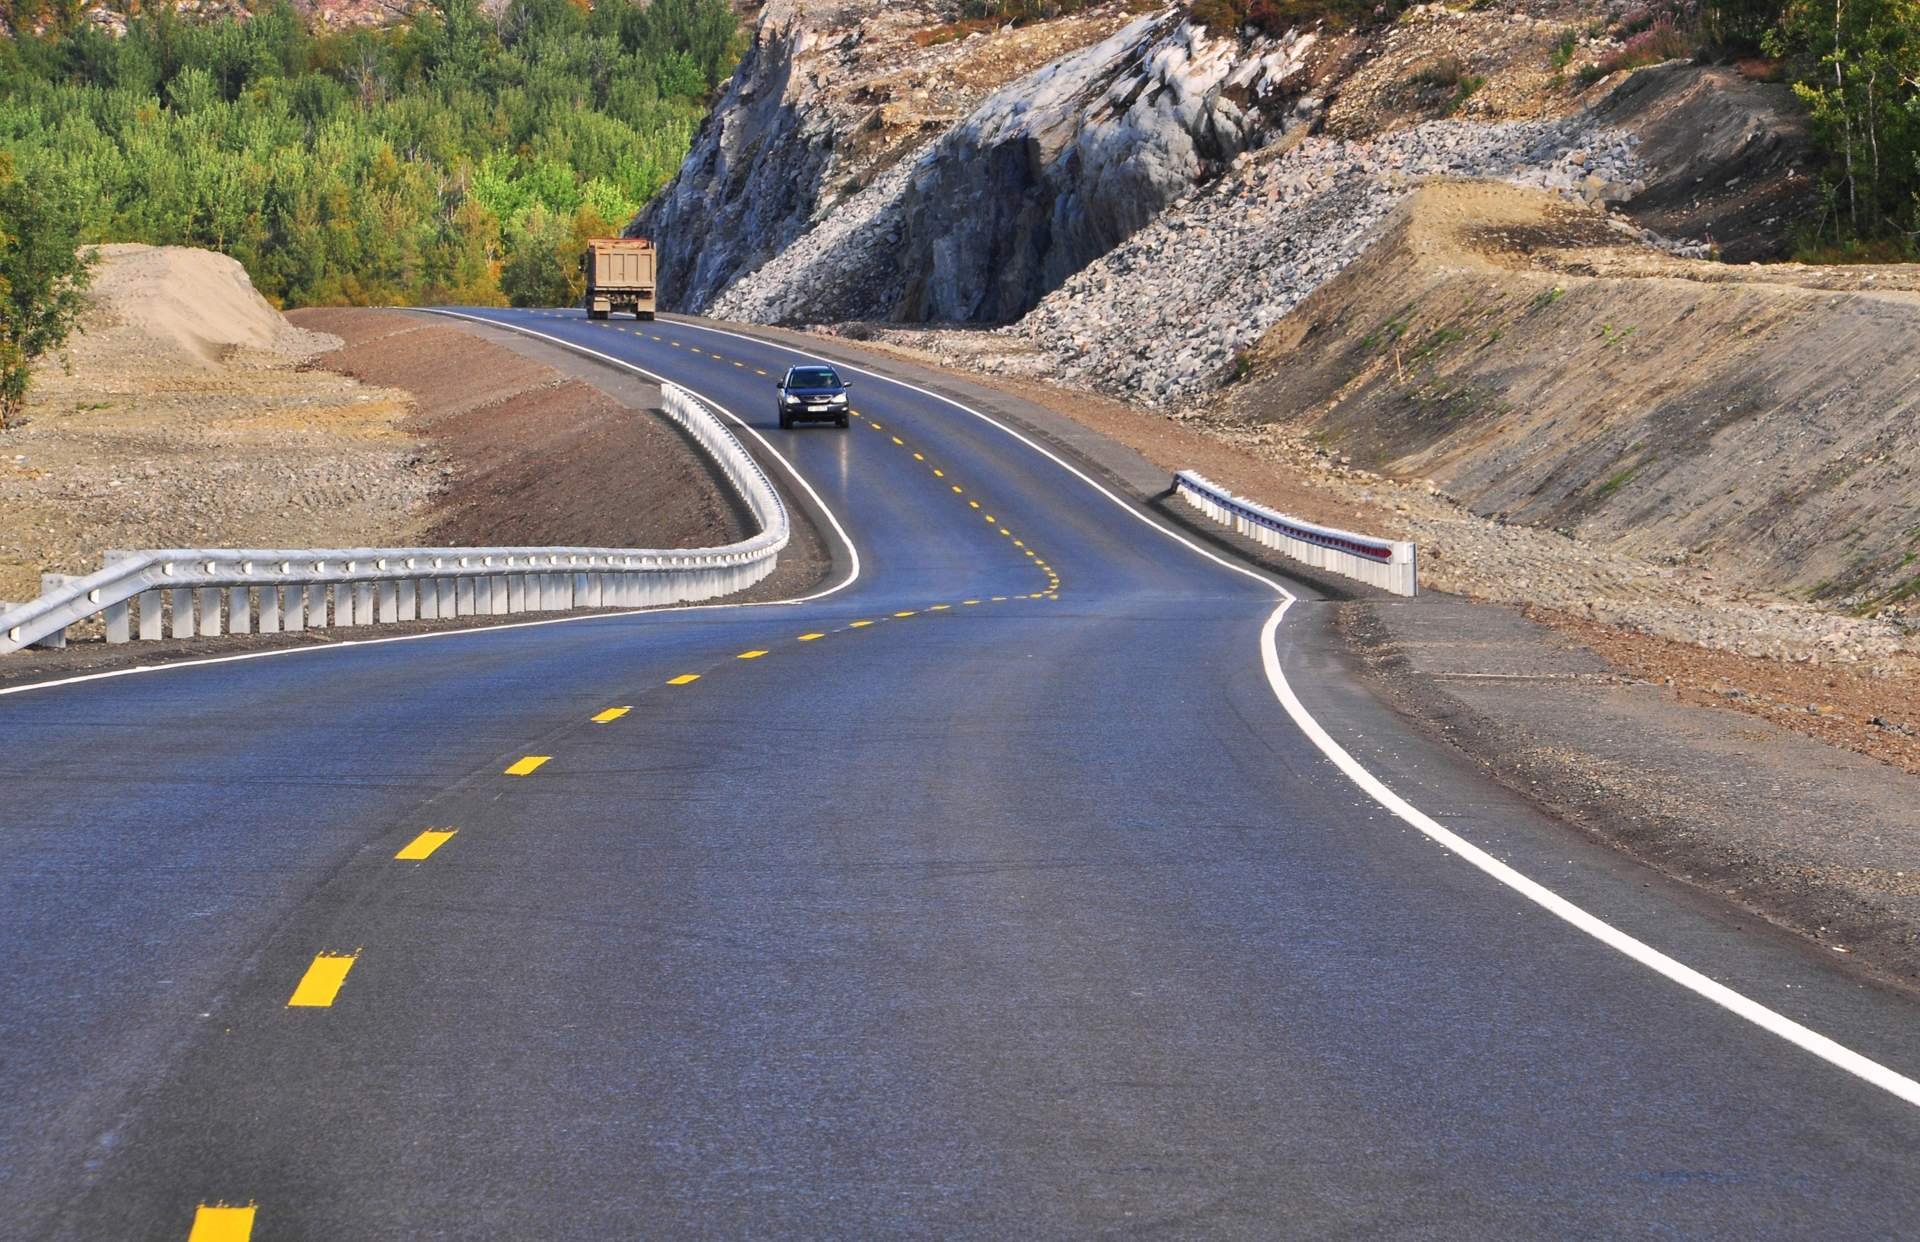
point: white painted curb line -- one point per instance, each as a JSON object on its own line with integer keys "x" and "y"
{"x": 1734, "y": 1002}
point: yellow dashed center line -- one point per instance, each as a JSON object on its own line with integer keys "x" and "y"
{"x": 528, "y": 765}
{"x": 749, "y": 655}
{"x": 969, "y": 602}
{"x": 807, "y": 638}
{"x": 216, "y": 1222}
{"x": 898, "y": 440}
{"x": 859, "y": 625}
{"x": 611, "y": 714}
{"x": 939, "y": 607}
{"x": 971, "y": 503}
{"x": 907, "y": 613}
{"x": 684, "y": 679}
{"x": 919, "y": 456}
{"x": 321, "y": 983}
{"x": 425, "y": 844}
{"x": 938, "y": 473}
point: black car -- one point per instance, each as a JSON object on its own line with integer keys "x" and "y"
{"x": 812, "y": 391}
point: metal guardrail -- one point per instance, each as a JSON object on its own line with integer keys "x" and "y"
{"x": 201, "y": 592}
{"x": 1385, "y": 563}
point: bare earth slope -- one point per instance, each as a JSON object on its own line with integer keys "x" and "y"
{"x": 189, "y": 420}
{"x": 1543, "y": 367}
{"x": 195, "y": 415}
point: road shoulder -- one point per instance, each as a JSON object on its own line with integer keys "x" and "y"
{"x": 1811, "y": 838}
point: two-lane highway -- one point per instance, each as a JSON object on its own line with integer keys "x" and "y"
{"x": 993, "y": 893}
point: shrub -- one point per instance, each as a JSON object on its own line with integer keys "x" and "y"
{"x": 43, "y": 281}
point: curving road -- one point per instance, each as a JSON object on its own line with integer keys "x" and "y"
{"x": 939, "y": 905}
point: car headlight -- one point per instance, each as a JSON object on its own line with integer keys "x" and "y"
{"x": 792, "y": 400}
{"x": 839, "y": 398}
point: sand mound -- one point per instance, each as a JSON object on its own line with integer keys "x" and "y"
{"x": 198, "y": 308}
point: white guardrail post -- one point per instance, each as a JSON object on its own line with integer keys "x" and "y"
{"x": 206, "y": 591}
{"x": 1384, "y": 563}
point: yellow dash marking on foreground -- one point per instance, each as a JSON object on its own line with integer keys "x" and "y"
{"x": 322, "y": 981}
{"x": 907, "y": 613}
{"x": 216, "y": 1222}
{"x": 898, "y": 440}
{"x": 684, "y": 679}
{"x": 972, "y": 503}
{"x": 611, "y": 714}
{"x": 1006, "y": 532}
{"x": 956, "y": 491}
{"x": 991, "y": 518}
{"x": 919, "y": 456}
{"x": 969, "y": 602}
{"x": 741, "y": 365}
{"x": 656, "y": 338}
{"x": 1018, "y": 544}
{"x": 749, "y": 655}
{"x": 758, "y": 371}
{"x": 877, "y": 427}
{"x": 675, "y": 344}
{"x": 938, "y": 473}
{"x": 528, "y": 765}
{"x": 859, "y": 625}
{"x": 807, "y": 638}
{"x": 425, "y": 844}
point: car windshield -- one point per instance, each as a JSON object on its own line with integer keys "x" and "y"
{"x": 813, "y": 377}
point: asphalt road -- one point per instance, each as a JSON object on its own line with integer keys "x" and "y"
{"x": 927, "y": 908}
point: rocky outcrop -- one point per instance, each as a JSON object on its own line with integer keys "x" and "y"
{"x": 830, "y": 99}
{"x": 752, "y": 179}
{"x": 1056, "y": 169}
{"x": 786, "y": 212}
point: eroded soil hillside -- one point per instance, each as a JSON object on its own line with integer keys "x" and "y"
{"x": 1542, "y": 366}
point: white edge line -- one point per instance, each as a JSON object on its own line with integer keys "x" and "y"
{"x": 1771, "y": 1021}
{"x": 853, "y": 572}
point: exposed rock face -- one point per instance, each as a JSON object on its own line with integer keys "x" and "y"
{"x": 752, "y": 178}
{"x": 822, "y": 189}
{"x": 1058, "y": 168}
{"x": 830, "y": 99}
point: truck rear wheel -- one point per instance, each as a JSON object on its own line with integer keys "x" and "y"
{"x": 646, "y": 315}
{"x": 594, "y": 314}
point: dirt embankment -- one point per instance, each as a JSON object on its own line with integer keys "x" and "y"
{"x": 194, "y": 415}
{"x": 187, "y": 418}
{"x": 527, "y": 456}
{"x": 1543, "y": 367}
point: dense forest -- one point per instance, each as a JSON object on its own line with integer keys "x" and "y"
{"x": 460, "y": 159}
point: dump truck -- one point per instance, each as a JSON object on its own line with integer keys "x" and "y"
{"x": 619, "y": 272}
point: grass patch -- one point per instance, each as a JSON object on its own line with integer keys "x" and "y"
{"x": 1563, "y": 50}
{"x": 1616, "y": 482}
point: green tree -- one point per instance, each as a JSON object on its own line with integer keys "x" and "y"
{"x": 43, "y": 282}
{"x": 1859, "y": 75}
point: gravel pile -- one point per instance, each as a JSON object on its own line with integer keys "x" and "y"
{"x": 1161, "y": 318}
